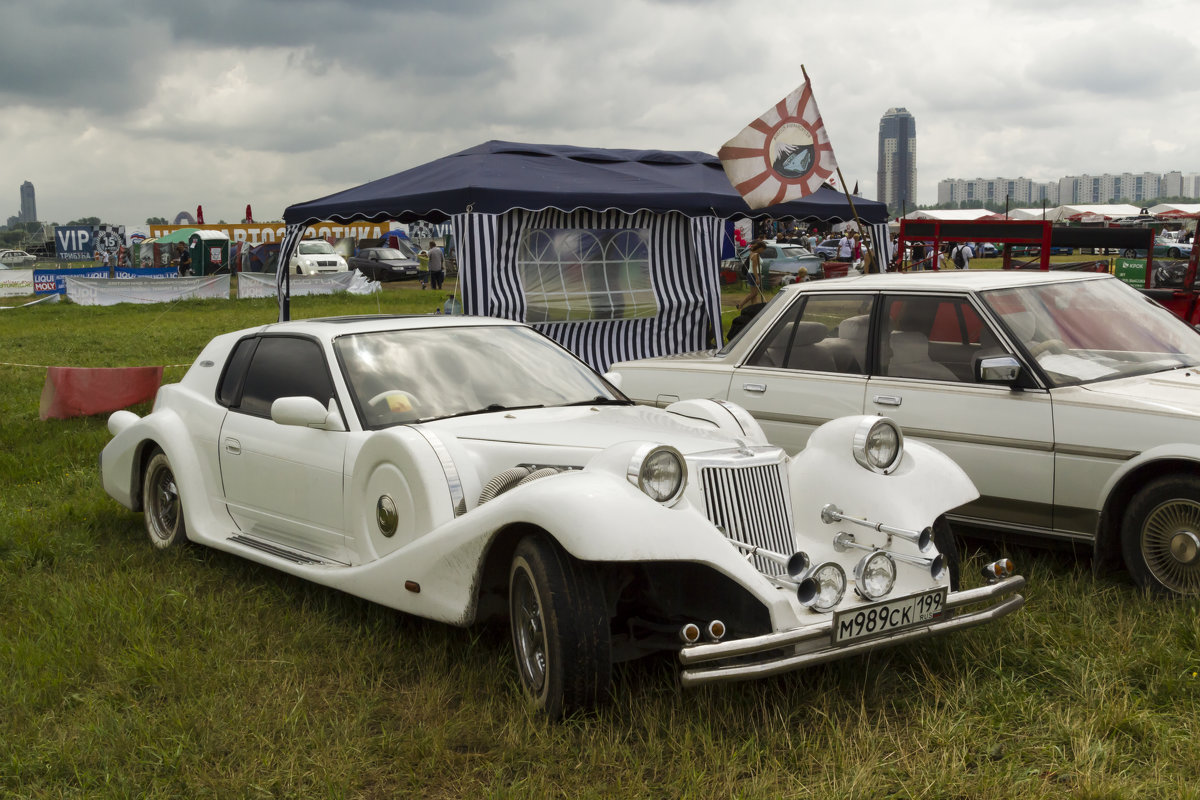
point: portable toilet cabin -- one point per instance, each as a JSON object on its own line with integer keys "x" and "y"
{"x": 209, "y": 251}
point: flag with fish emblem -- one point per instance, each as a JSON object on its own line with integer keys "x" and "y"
{"x": 782, "y": 155}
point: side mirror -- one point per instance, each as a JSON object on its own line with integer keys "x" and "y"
{"x": 307, "y": 412}
{"x": 614, "y": 378}
{"x": 998, "y": 369}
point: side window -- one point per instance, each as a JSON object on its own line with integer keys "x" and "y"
{"x": 824, "y": 332}
{"x": 229, "y": 392}
{"x": 284, "y": 366}
{"x": 929, "y": 337}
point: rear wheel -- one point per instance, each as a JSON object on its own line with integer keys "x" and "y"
{"x": 1160, "y": 535}
{"x": 162, "y": 504}
{"x": 1129, "y": 253}
{"x": 560, "y": 628}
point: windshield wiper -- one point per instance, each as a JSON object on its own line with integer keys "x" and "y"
{"x": 488, "y": 410}
{"x": 600, "y": 401}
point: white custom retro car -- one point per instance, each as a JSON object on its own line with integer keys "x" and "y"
{"x": 1070, "y": 399}
{"x": 466, "y": 469}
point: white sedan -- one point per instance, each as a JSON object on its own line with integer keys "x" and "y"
{"x": 467, "y": 469}
{"x": 1071, "y": 400}
{"x": 16, "y": 258}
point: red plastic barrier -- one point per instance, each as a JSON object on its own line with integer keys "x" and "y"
{"x": 81, "y": 392}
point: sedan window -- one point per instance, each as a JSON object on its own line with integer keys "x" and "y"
{"x": 825, "y": 332}
{"x": 935, "y": 337}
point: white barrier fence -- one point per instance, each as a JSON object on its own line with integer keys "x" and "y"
{"x": 109, "y": 292}
{"x": 256, "y": 284}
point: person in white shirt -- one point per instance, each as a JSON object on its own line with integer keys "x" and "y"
{"x": 961, "y": 255}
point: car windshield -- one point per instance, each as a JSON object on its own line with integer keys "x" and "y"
{"x": 389, "y": 254}
{"x": 316, "y": 247}
{"x": 1093, "y": 330}
{"x": 431, "y": 373}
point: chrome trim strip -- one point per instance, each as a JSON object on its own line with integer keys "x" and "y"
{"x": 771, "y": 641}
{"x": 1018, "y": 528}
{"x": 458, "y": 497}
{"x": 1095, "y": 452}
{"x": 768, "y": 416}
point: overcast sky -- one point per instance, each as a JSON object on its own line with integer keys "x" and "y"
{"x": 125, "y": 109}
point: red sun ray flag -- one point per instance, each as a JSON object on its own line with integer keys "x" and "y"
{"x": 782, "y": 155}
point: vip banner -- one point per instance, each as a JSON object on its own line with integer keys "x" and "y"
{"x": 105, "y": 292}
{"x": 53, "y": 281}
{"x": 74, "y": 243}
{"x": 267, "y": 233}
{"x": 252, "y": 284}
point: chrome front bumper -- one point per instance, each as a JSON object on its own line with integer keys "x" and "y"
{"x": 704, "y": 654}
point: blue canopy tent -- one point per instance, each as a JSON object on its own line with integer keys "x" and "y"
{"x": 613, "y": 253}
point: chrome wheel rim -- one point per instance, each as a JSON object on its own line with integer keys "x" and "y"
{"x": 529, "y": 631}
{"x": 1171, "y": 545}
{"x": 164, "y": 504}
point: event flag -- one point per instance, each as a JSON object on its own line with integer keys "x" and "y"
{"x": 782, "y": 155}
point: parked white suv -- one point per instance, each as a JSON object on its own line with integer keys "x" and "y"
{"x": 315, "y": 257}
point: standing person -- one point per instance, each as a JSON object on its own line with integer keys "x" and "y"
{"x": 856, "y": 253}
{"x": 185, "y": 261}
{"x": 961, "y": 255}
{"x": 423, "y": 267}
{"x": 845, "y": 251}
{"x": 918, "y": 255}
{"x": 437, "y": 266}
{"x": 754, "y": 274}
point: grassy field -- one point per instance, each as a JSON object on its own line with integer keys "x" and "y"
{"x": 129, "y": 673}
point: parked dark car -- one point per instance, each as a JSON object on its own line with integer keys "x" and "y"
{"x": 383, "y": 264}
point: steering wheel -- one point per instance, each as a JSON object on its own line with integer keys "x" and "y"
{"x": 382, "y": 402}
{"x": 1050, "y": 346}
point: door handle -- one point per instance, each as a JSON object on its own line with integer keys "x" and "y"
{"x": 888, "y": 400}
{"x": 233, "y": 446}
{"x": 754, "y": 387}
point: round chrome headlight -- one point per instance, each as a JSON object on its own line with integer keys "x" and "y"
{"x": 824, "y": 587}
{"x": 875, "y": 575}
{"x": 660, "y": 472}
{"x": 878, "y": 445}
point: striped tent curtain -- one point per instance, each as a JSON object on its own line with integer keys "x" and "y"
{"x": 881, "y": 244}
{"x": 683, "y": 252}
{"x": 290, "y": 239}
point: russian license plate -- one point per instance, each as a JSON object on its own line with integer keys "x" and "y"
{"x": 886, "y": 616}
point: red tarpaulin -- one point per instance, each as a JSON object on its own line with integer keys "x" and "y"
{"x": 81, "y": 392}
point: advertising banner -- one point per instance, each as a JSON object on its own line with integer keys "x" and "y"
{"x": 16, "y": 282}
{"x": 252, "y": 284}
{"x": 53, "y": 281}
{"x": 1131, "y": 270}
{"x": 125, "y": 273}
{"x": 105, "y": 292}
{"x": 256, "y": 233}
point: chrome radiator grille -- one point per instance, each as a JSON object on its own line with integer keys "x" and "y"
{"x": 750, "y": 504}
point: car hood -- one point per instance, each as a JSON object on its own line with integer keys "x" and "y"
{"x": 1175, "y": 393}
{"x": 592, "y": 428}
{"x": 393, "y": 262}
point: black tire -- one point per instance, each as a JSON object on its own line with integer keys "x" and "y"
{"x": 162, "y": 504}
{"x": 1173, "y": 252}
{"x": 1160, "y": 535}
{"x": 560, "y": 629}
{"x": 1129, "y": 253}
{"x": 943, "y": 540}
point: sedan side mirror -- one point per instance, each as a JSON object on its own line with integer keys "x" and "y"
{"x": 998, "y": 369}
{"x": 307, "y": 412}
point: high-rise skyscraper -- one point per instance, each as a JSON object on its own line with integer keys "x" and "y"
{"x": 897, "y": 176}
{"x": 28, "y": 206}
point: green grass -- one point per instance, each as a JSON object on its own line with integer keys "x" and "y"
{"x": 129, "y": 673}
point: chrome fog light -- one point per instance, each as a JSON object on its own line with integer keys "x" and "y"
{"x": 878, "y": 445}
{"x": 660, "y": 472}
{"x": 875, "y": 575}
{"x": 824, "y": 587}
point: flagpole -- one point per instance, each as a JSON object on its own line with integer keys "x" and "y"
{"x": 845, "y": 191}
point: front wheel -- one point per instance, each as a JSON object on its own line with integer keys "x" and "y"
{"x": 1129, "y": 253}
{"x": 1160, "y": 536}
{"x": 560, "y": 628}
{"x": 162, "y": 504}
{"x": 1173, "y": 252}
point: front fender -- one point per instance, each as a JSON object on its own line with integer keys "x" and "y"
{"x": 927, "y": 484}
